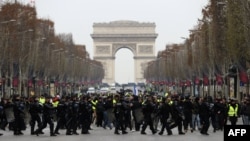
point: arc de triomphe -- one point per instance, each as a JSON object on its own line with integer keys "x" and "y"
{"x": 138, "y": 37}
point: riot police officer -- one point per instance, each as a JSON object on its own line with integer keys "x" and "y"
{"x": 60, "y": 114}
{"x": 177, "y": 113}
{"x": 48, "y": 112}
{"x": 204, "y": 112}
{"x": 85, "y": 112}
{"x": 119, "y": 111}
{"x": 18, "y": 109}
{"x": 164, "y": 114}
{"x": 73, "y": 112}
{"x": 148, "y": 109}
{"x": 35, "y": 111}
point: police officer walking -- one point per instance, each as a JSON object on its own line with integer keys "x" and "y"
{"x": 48, "y": 111}
{"x": 204, "y": 112}
{"x": 119, "y": 111}
{"x": 164, "y": 113}
{"x": 61, "y": 115}
{"x": 233, "y": 111}
{"x": 177, "y": 114}
{"x": 73, "y": 109}
{"x": 35, "y": 110}
{"x": 18, "y": 109}
{"x": 148, "y": 109}
{"x": 85, "y": 112}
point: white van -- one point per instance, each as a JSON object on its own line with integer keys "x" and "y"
{"x": 104, "y": 90}
{"x": 91, "y": 90}
{"x": 113, "y": 89}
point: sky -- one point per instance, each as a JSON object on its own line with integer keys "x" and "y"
{"x": 173, "y": 19}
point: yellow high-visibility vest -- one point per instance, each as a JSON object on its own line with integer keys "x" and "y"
{"x": 94, "y": 104}
{"x": 55, "y": 104}
{"x": 42, "y": 100}
{"x": 232, "y": 111}
{"x": 114, "y": 101}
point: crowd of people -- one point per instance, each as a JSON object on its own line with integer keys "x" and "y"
{"x": 122, "y": 112}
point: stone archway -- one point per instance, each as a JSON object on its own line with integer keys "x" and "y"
{"x": 108, "y": 38}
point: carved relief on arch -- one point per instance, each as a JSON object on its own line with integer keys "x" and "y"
{"x": 115, "y": 47}
{"x": 102, "y": 49}
{"x": 146, "y": 49}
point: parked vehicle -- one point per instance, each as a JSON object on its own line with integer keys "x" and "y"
{"x": 91, "y": 90}
{"x": 104, "y": 90}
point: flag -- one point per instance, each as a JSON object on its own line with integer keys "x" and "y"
{"x": 197, "y": 81}
{"x": 219, "y": 79}
{"x": 188, "y": 82}
{"x": 205, "y": 80}
{"x": 243, "y": 77}
{"x": 15, "y": 82}
{"x": 30, "y": 83}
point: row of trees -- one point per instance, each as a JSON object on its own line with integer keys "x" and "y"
{"x": 217, "y": 49}
{"x": 33, "y": 55}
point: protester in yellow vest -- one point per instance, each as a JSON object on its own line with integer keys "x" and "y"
{"x": 233, "y": 111}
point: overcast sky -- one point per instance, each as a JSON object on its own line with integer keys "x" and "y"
{"x": 173, "y": 19}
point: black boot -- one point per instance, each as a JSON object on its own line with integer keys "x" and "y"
{"x": 116, "y": 132}
{"x": 181, "y": 133}
{"x": 57, "y": 133}
{"x": 32, "y": 130}
{"x": 170, "y": 133}
{"x": 36, "y": 133}
{"x": 16, "y": 133}
{"x": 52, "y": 134}
{"x": 124, "y": 132}
{"x": 75, "y": 133}
{"x": 68, "y": 132}
{"x": 20, "y": 133}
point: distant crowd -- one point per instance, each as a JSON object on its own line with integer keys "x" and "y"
{"x": 121, "y": 113}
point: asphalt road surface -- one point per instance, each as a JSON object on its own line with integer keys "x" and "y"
{"x": 100, "y": 134}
